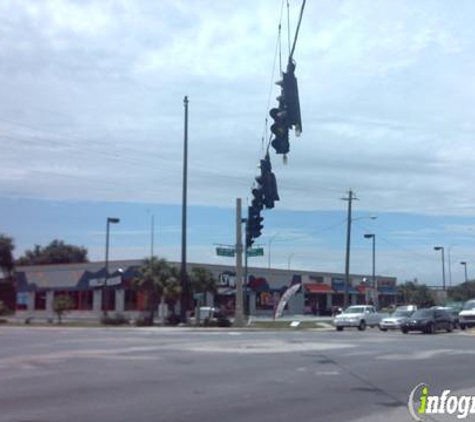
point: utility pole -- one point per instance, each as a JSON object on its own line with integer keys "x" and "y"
{"x": 238, "y": 317}
{"x": 464, "y": 263}
{"x": 247, "y": 302}
{"x": 183, "y": 275}
{"x": 105, "y": 291}
{"x": 350, "y": 199}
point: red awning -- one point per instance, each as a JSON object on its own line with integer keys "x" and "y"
{"x": 318, "y": 288}
{"x": 362, "y": 289}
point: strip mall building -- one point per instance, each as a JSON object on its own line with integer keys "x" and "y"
{"x": 37, "y": 286}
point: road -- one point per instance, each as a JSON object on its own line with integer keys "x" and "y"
{"x": 160, "y": 374}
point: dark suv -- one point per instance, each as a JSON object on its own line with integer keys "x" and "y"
{"x": 428, "y": 321}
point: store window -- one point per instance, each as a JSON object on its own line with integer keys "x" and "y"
{"x": 85, "y": 300}
{"x": 131, "y": 300}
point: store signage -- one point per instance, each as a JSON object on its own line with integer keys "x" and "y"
{"x": 111, "y": 281}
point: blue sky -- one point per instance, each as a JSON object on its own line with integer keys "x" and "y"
{"x": 312, "y": 240}
{"x": 91, "y": 124}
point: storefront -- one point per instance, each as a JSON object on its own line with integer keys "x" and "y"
{"x": 37, "y": 286}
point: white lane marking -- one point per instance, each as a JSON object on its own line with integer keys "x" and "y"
{"x": 327, "y": 373}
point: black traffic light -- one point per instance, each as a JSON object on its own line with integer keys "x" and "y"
{"x": 258, "y": 198}
{"x": 280, "y": 129}
{"x": 290, "y": 92}
{"x": 254, "y": 225}
{"x": 287, "y": 115}
{"x": 267, "y": 183}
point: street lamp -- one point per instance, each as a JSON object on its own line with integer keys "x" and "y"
{"x": 375, "y": 284}
{"x": 441, "y": 248}
{"x": 465, "y": 265}
{"x": 105, "y": 303}
{"x": 268, "y": 249}
{"x": 288, "y": 260}
{"x": 152, "y": 233}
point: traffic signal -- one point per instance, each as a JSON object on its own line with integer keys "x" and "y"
{"x": 254, "y": 225}
{"x": 280, "y": 129}
{"x": 287, "y": 115}
{"x": 290, "y": 92}
{"x": 267, "y": 183}
{"x": 258, "y": 198}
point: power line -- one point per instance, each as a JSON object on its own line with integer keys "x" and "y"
{"x": 311, "y": 234}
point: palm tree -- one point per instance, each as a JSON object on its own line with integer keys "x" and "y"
{"x": 152, "y": 277}
{"x": 202, "y": 281}
{"x": 171, "y": 290}
{"x": 6, "y": 255}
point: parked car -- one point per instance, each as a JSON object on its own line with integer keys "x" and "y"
{"x": 428, "y": 321}
{"x": 467, "y": 315}
{"x": 394, "y": 321}
{"x": 453, "y": 312}
{"x": 359, "y": 316}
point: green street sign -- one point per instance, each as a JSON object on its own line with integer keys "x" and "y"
{"x": 255, "y": 252}
{"x": 198, "y": 296}
{"x": 230, "y": 252}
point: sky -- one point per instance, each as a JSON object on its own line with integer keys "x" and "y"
{"x": 91, "y": 124}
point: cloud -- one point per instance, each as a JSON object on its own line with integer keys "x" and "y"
{"x": 92, "y": 102}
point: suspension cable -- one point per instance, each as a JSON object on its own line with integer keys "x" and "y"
{"x": 288, "y": 26}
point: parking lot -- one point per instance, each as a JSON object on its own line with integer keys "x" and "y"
{"x": 176, "y": 374}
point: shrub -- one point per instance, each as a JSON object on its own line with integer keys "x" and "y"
{"x": 61, "y": 305}
{"x": 172, "y": 319}
{"x": 4, "y": 310}
{"x": 116, "y": 319}
{"x": 144, "y": 321}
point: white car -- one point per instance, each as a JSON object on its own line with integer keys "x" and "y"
{"x": 393, "y": 322}
{"x": 359, "y": 316}
{"x": 467, "y": 315}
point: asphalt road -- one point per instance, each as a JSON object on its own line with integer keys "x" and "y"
{"x": 144, "y": 375}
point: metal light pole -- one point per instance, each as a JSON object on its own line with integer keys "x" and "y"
{"x": 183, "y": 275}
{"x": 238, "y": 309}
{"x": 268, "y": 249}
{"x": 289, "y": 259}
{"x": 246, "y": 255}
{"x": 465, "y": 265}
{"x": 105, "y": 301}
{"x": 441, "y": 248}
{"x": 152, "y": 236}
{"x": 375, "y": 284}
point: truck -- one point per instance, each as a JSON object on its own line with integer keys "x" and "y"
{"x": 467, "y": 315}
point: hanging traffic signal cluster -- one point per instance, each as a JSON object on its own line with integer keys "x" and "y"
{"x": 286, "y": 116}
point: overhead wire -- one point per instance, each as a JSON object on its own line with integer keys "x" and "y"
{"x": 278, "y": 52}
{"x": 288, "y": 26}
{"x": 385, "y": 240}
{"x": 314, "y": 233}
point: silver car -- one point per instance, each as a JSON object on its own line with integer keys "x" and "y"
{"x": 393, "y": 322}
